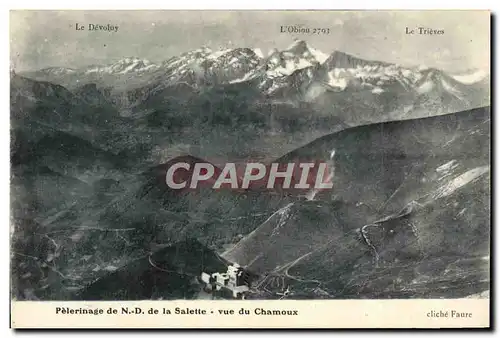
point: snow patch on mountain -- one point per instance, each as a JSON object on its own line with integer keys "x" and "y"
{"x": 471, "y": 78}
{"x": 426, "y": 87}
{"x": 246, "y": 77}
{"x": 318, "y": 55}
{"x": 460, "y": 181}
{"x": 258, "y": 52}
{"x": 447, "y": 169}
{"x": 335, "y": 80}
{"x": 218, "y": 54}
{"x": 375, "y": 76}
{"x": 58, "y": 71}
{"x": 451, "y": 89}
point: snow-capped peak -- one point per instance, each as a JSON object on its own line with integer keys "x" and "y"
{"x": 218, "y": 54}
{"x": 212, "y": 66}
{"x": 58, "y": 70}
{"x": 298, "y": 46}
{"x": 301, "y": 48}
{"x": 129, "y": 60}
{"x": 297, "y": 56}
{"x": 124, "y": 66}
{"x": 299, "y": 65}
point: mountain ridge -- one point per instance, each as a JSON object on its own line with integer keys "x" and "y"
{"x": 297, "y": 56}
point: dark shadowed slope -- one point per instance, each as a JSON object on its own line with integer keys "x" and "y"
{"x": 410, "y": 198}
{"x": 432, "y": 250}
{"x": 386, "y": 165}
{"x": 170, "y": 273}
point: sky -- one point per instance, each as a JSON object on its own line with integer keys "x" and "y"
{"x": 40, "y": 39}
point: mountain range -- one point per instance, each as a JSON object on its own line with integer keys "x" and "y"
{"x": 263, "y": 102}
{"x": 299, "y": 73}
{"x": 90, "y": 148}
{"x": 337, "y": 70}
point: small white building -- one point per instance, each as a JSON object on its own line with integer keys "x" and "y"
{"x": 235, "y": 279}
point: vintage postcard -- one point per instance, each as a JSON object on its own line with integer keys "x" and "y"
{"x": 250, "y": 169}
